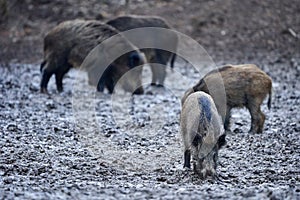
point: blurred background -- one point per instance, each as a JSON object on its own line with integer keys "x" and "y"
{"x": 230, "y": 30}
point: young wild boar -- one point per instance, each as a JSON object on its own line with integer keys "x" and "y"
{"x": 124, "y": 23}
{"x": 202, "y": 133}
{"x": 68, "y": 44}
{"x": 245, "y": 86}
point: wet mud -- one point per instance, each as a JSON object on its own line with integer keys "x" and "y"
{"x": 129, "y": 147}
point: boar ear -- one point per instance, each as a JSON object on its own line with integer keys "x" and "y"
{"x": 222, "y": 140}
{"x": 197, "y": 140}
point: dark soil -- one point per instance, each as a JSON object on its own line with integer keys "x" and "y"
{"x": 124, "y": 147}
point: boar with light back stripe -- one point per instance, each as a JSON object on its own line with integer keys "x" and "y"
{"x": 202, "y": 133}
{"x": 245, "y": 86}
{"x": 127, "y": 22}
{"x": 68, "y": 44}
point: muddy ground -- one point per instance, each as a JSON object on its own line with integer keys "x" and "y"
{"x": 118, "y": 146}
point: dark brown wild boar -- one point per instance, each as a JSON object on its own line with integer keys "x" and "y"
{"x": 245, "y": 86}
{"x": 68, "y": 44}
{"x": 160, "y": 56}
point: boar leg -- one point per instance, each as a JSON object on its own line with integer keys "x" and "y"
{"x": 154, "y": 73}
{"x": 59, "y": 76}
{"x": 158, "y": 71}
{"x": 161, "y": 76}
{"x": 160, "y": 55}
{"x": 103, "y": 81}
{"x": 59, "y": 84}
{"x": 254, "y": 112}
{"x": 46, "y": 75}
{"x": 158, "y": 75}
{"x": 101, "y": 84}
{"x": 261, "y": 122}
{"x": 257, "y": 117}
{"x": 109, "y": 85}
{"x": 152, "y": 60}
{"x": 227, "y": 118}
{"x": 253, "y": 121}
{"x": 162, "y": 58}
{"x": 187, "y": 159}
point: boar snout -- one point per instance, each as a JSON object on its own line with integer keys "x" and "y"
{"x": 206, "y": 167}
{"x": 136, "y": 59}
{"x": 205, "y": 173}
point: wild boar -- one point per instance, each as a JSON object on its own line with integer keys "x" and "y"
{"x": 202, "y": 133}
{"x": 160, "y": 56}
{"x": 68, "y": 44}
{"x": 245, "y": 86}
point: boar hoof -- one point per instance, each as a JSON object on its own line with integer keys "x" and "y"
{"x": 44, "y": 91}
{"x": 60, "y": 90}
{"x": 187, "y": 169}
{"x": 252, "y": 131}
{"x": 160, "y": 85}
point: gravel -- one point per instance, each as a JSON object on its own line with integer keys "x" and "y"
{"x": 130, "y": 147}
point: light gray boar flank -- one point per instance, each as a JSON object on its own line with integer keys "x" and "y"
{"x": 202, "y": 133}
{"x": 127, "y": 22}
{"x": 68, "y": 44}
{"x": 245, "y": 86}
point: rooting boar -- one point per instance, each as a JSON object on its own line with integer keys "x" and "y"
{"x": 202, "y": 133}
{"x": 245, "y": 86}
{"x": 68, "y": 44}
{"x": 162, "y": 57}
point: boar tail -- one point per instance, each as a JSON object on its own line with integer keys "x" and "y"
{"x": 270, "y": 99}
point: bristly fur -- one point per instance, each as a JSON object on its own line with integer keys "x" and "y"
{"x": 68, "y": 44}
{"x": 202, "y": 132}
{"x": 245, "y": 86}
